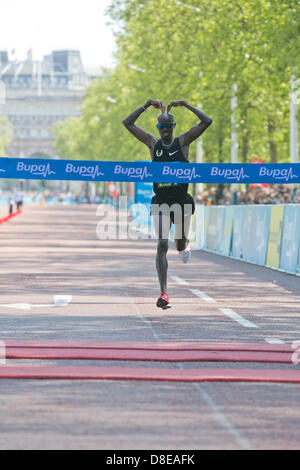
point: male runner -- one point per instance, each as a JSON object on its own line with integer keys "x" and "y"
{"x": 169, "y": 195}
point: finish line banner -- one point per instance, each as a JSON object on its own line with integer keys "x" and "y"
{"x": 158, "y": 172}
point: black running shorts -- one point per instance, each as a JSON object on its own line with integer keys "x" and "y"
{"x": 162, "y": 207}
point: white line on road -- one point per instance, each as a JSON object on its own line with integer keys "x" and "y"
{"x": 235, "y": 316}
{"x": 202, "y": 296}
{"x": 227, "y": 311}
{"x": 274, "y": 341}
{"x": 221, "y": 417}
{"x": 224, "y": 420}
{"x": 180, "y": 281}
{"x": 144, "y": 319}
{"x": 59, "y": 301}
{"x": 217, "y": 412}
{"x": 196, "y": 292}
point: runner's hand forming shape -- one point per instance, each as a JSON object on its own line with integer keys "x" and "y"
{"x": 157, "y": 104}
{"x": 175, "y": 103}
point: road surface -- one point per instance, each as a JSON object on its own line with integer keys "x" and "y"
{"x": 59, "y": 282}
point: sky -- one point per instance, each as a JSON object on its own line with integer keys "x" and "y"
{"x": 45, "y": 25}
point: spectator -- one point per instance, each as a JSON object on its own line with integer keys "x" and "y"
{"x": 10, "y": 203}
{"x": 254, "y": 194}
{"x": 19, "y": 199}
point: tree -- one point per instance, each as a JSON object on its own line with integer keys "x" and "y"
{"x": 196, "y": 51}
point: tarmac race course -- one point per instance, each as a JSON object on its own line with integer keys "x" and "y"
{"x": 87, "y": 360}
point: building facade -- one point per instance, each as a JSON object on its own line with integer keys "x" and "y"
{"x": 37, "y": 95}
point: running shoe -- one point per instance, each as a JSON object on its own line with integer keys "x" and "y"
{"x": 185, "y": 255}
{"x": 163, "y": 301}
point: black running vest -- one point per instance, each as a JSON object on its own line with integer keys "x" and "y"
{"x": 169, "y": 191}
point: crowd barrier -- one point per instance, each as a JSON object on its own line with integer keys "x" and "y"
{"x": 266, "y": 235}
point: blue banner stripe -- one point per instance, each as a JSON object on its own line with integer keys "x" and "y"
{"x": 159, "y": 172}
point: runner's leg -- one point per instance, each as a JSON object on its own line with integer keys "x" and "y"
{"x": 182, "y": 227}
{"x": 162, "y": 226}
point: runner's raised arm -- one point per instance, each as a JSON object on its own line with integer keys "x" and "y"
{"x": 195, "y": 131}
{"x": 139, "y": 132}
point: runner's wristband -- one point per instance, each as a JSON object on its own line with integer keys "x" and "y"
{"x": 143, "y": 108}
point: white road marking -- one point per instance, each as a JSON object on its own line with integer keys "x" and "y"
{"x": 62, "y": 300}
{"x": 235, "y": 316}
{"x": 196, "y": 292}
{"x": 20, "y": 306}
{"x": 274, "y": 341}
{"x": 180, "y": 281}
{"x": 144, "y": 319}
{"x": 227, "y": 311}
{"x": 59, "y": 301}
{"x": 221, "y": 417}
{"x": 216, "y": 410}
{"x": 202, "y": 296}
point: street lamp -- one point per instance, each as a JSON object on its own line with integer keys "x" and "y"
{"x": 110, "y": 99}
{"x": 137, "y": 69}
{"x": 293, "y": 121}
{"x": 293, "y": 127}
{"x": 234, "y": 140}
{"x": 191, "y": 7}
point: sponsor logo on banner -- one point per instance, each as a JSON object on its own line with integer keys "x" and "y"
{"x": 91, "y": 171}
{"x": 278, "y": 173}
{"x": 236, "y": 174}
{"x": 180, "y": 173}
{"x": 165, "y": 172}
{"x": 132, "y": 172}
{"x": 42, "y": 169}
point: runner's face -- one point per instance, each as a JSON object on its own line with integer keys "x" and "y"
{"x": 165, "y": 132}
